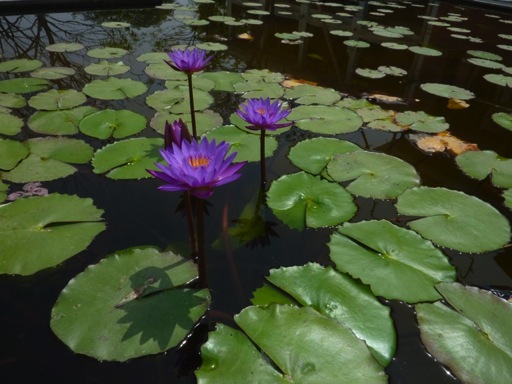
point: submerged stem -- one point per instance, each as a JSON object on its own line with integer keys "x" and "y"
{"x": 262, "y": 159}
{"x": 191, "y": 227}
{"x": 201, "y": 255}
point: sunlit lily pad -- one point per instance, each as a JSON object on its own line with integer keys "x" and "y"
{"x": 201, "y": 83}
{"x": 64, "y": 47}
{"x": 107, "y": 53}
{"x": 196, "y": 22}
{"x": 133, "y": 303}
{"x": 19, "y": 65}
{"x": 107, "y": 68}
{"x": 23, "y": 85}
{"x": 42, "y": 231}
{"x": 160, "y": 70}
{"x": 310, "y": 94}
{"x": 301, "y": 200}
{"x": 325, "y": 119}
{"x": 256, "y": 89}
{"x": 503, "y": 119}
{"x": 128, "y": 159}
{"x": 449, "y": 91}
{"x": 59, "y": 122}
{"x": 224, "y": 81}
{"x": 112, "y": 123}
{"x": 486, "y": 63}
{"x": 57, "y": 99}
{"x": 393, "y": 45}
{"x": 246, "y": 145}
{"x": 11, "y": 125}
{"x": 454, "y": 220}
{"x": 375, "y": 175}
{"x": 336, "y": 295}
{"x": 176, "y": 100}
{"x": 12, "y": 153}
{"x": 504, "y": 81}
{"x": 396, "y": 262}
{"x": 205, "y": 120}
{"x": 421, "y": 121}
{"x": 480, "y": 164}
{"x": 474, "y": 340}
{"x": 484, "y": 55}
{"x": 313, "y": 155}
{"x": 153, "y": 57}
{"x": 341, "y": 33}
{"x": 53, "y": 73}
{"x": 114, "y": 89}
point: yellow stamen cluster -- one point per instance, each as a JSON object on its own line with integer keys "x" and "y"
{"x": 199, "y": 161}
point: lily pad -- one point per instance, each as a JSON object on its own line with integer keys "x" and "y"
{"x": 19, "y": 65}
{"x": 507, "y": 197}
{"x": 421, "y": 121}
{"x": 301, "y": 200}
{"x": 396, "y": 262}
{"x": 314, "y": 155}
{"x": 12, "y": 153}
{"x": 176, "y": 100}
{"x": 209, "y": 46}
{"x": 128, "y": 159}
{"x": 454, "y": 220}
{"x": 160, "y": 70}
{"x": 265, "y": 75}
{"x": 132, "y": 303}
{"x": 392, "y": 71}
{"x": 425, "y": 51}
{"x": 107, "y": 53}
{"x": 356, "y": 43}
{"x": 23, "y": 85}
{"x": 480, "y": 164}
{"x": 115, "y": 24}
{"x": 224, "y": 81}
{"x": 64, "y": 47}
{"x": 206, "y": 120}
{"x": 310, "y": 94}
{"x": 59, "y": 122}
{"x": 325, "y": 119}
{"x": 256, "y": 89}
{"x": 57, "y": 100}
{"x": 503, "y": 119}
{"x": 42, "y": 231}
{"x": 53, "y": 73}
{"x": 504, "y": 81}
{"x": 112, "y": 123}
{"x": 474, "y": 339}
{"x": 11, "y": 125}
{"x": 12, "y": 100}
{"x": 107, "y": 68}
{"x": 484, "y": 55}
{"x": 370, "y": 73}
{"x": 486, "y": 63}
{"x": 114, "y": 89}
{"x": 375, "y": 175}
{"x": 448, "y": 91}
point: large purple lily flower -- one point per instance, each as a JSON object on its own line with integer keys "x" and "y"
{"x": 188, "y": 60}
{"x": 197, "y": 167}
{"x": 263, "y": 115}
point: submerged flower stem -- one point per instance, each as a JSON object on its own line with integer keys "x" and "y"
{"x": 201, "y": 255}
{"x": 192, "y": 108}
{"x": 191, "y": 228}
{"x": 262, "y": 159}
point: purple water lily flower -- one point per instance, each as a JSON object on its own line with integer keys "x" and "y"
{"x": 197, "y": 167}
{"x": 175, "y": 133}
{"x": 263, "y": 115}
{"x": 188, "y": 60}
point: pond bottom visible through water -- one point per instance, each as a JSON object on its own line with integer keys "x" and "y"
{"x": 137, "y": 214}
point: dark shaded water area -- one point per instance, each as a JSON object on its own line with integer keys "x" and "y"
{"x": 138, "y": 214}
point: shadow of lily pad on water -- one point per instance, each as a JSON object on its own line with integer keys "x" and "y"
{"x": 42, "y": 231}
{"x": 133, "y": 303}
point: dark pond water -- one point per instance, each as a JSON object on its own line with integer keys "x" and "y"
{"x": 137, "y": 214}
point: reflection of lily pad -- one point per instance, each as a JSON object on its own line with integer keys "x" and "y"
{"x": 396, "y": 262}
{"x": 115, "y": 123}
{"x": 325, "y": 119}
{"x": 375, "y": 175}
{"x": 474, "y": 338}
{"x": 302, "y": 200}
{"x": 128, "y": 159}
{"x": 131, "y": 304}
{"x": 40, "y": 232}
{"x": 57, "y": 99}
{"x": 114, "y": 89}
{"x": 59, "y": 122}
{"x": 449, "y": 91}
{"x": 454, "y": 220}
{"x": 480, "y": 164}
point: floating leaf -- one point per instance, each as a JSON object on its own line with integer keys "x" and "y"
{"x": 338, "y": 296}
{"x": 485, "y": 63}
{"x": 107, "y": 53}
{"x": 314, "y": 155}
{"x": 64, "y": 47}
{"x": 201, "y": 83}
{"x": 59, "y": 122}
{"x": 114, "y": 89}
{"x": 209, "y": 46}
{"x": 107, "y": 68}
{"x": 392, "y": 71}
{"x": 484, "y": 55}
{"x": 310, "y": 94}
{"x": 504, "y": 81}
{"x": 507, "y": 196}
{"x": 20, "y": 65}
{"x": 474, "y": 339}
{"x": 132, "y": 303}
{"x": 448, "y": 91}
{"x": 257, "y": 89}
{"x": 425, "y": 51}
{"x": 12, "y": 153}
{"x": 302, "y": 200}
{"x": 154, "y": 58}
{"x": 57, "y": 99}
{"x": 421, "y": 121}
{"x": 341, "y": 33}
{"x": 206, "y": 120}
{"x": 325, "y": 119}
{"x": 441, "y": 142}
{"x": 370, "y": 73}
{"x": 176, "y": 100}
{"x": 396, "y": 46}
{"x": 128, "y": 159}
{"x": 23, "y": 85}
{"x": 295, "y": 341}
{"x": 160, "y": 70}
{"x": 503, "y": 119}
{"x": 42, "y": 231}
{"x": 53, "y": 73}
{"x": 375, "y": 175}
{"x": 115, "y": 123}
{"x": 396, "y": 262}
{"x": 224, "y": 81}
{"x": 12, "y": 100}
{"x": 115, "y": 24}
{"x": 356, "y": 43}
{"x": 257, "y": 75}
{"x": 480, "y": 164}
{"x": 11, "y": 125}
{"x": 454, "y": 220}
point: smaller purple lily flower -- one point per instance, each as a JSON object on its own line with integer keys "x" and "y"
{"x": 175, "y": 133}
{"x": 263, "y": 115}
{"x": 197, "y": 167}
{"x": 188, "y": 60}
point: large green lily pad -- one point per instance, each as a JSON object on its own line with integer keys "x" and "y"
{"x": 12, "y": 100}
{"x": 128, "y": 159}
{"x": 107, "y": 68}
{"x": 133, "y": 303}
{"x": 206, "y": 120}
{"x": 325, "y": 119}
{"x": 503, "y": 119}
{"x": 176, "y": 100}
{"x": 53, "y": 73}
{"x": 12, "y": 153}
{"x": 59, "y": 122}
{"x": 224, "y": 81}
{"x": 421, "y": 121}
{"x": 302, "y": 200}
{"x": 107, "y": 52}
{"x": 20, "y": 65}
{"x": 310, "y": 94}
{"x": 375, "y": 174}
{"x": 11, "y": 125}
{"x": 23, "y": 85}
{"x": 57, "y": 100}
{"x": 114, "y": 89}
{"x": 42, "y": 231}
{"x": 396, "y": 262}
{"x": 504, "y": 81}
{"x": 454, "y": 220}
{"x": 475, "y": 339}
{"x": 480, "y": 164}
{"x": 112, "y": 123}
{"x": 448, "y": 91}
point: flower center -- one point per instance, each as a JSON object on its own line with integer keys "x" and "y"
{"x": 261, "y": 111}
{"x": 199, "y": 161}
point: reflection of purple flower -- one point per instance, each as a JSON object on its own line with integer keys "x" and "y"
{"x": 263, "y": 115}
{"x": 188, "y": 60}
{"x": 175, "y": 133}
{"x": 197, "y": 167}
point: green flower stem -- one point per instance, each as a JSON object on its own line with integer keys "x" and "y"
{"x": 192, "y": 109}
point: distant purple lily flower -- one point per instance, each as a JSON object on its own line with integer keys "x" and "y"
{"x": 197, "y": 167}
{"x": 188, "y": 60}
{"x": 175, "y": 133}
{"x": 263, "y": 115}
